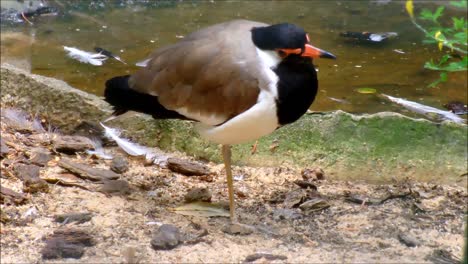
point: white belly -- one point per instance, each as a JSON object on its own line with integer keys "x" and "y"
{"x": 257, "y": 121}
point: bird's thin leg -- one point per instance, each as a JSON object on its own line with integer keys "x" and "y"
{"x": 227, "y": 165}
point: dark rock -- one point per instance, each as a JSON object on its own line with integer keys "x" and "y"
{"x": 313, "y": 174}
{"x": 305, "y": 185}
{"x": 73, "y": 217}
{"x": 87, "y": 172}
{"x": 66, "y": 243}
{"x": 115, "y": 187}
{"x": 8, "y": 196}
{"x": 29, "y": 174}
{"x": 4, "y": 149}
{"x": 58, "y": 248}
{"x": 238, "y": 229}
{"x": 408, "y": 240}
{"x": 119, "y": 164}
{"x": 256, "y": 256}
{"x": 295, "y": 198}
{"x": 40, "y": 156}
{"x": 198, "y": 194}
{"x": 166, "y": 237}
{"x": 187, "y": 168}
{"x": 72, "y": 144}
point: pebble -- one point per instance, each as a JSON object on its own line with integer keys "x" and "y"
{"x": 286, "y": 214}
{"x": 73, "y": 217}
{"x": 166, "y": 237}
{"x": 40, "y": 156}
{"x": 115, "y": 187}
{"x": 72, "y": 144}
{"x": 29, "y": 174}
{"x": 313, "y": 205}
{"x": 238, "y": 229}
{"x": 408, "y": 240}
{"x": 119, "y": 164}
{"x": 198, "y": 194}
{"x": 4, "y": 149}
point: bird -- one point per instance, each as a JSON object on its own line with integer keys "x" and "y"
{"x": 238, "y": 80}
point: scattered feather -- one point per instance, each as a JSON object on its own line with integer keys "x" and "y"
{"x": 202, "y": 209}
{"x": 86, "y": 57}
{"x": 133, "y": 149}
{"x": 99, "y": 150}
{"x": 109, "y": 54}
{"x": 425, "y": 110}
{"x": 142, "y": 63}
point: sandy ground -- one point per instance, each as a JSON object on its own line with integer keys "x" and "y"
{"x": 418, "y": 223}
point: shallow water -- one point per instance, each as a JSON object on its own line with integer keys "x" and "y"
{"x": 132, "y": 31}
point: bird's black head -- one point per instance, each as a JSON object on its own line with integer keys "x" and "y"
{"x": 279, "y": 36}
{"x": 286, "y": 39}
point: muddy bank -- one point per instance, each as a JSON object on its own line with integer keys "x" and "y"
{"x": 377, "y": 148}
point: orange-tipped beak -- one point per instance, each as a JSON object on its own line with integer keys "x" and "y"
{"x": 313, "y": 52}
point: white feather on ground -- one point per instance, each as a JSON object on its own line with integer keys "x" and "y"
{"x": 424, "y": 109}
{"x": 86, "y": 57}
{"x": 134, "y": 149}
{"x": 99, "y": 150}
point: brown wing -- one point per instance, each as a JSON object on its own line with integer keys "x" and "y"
{"x": 213, "y": 71}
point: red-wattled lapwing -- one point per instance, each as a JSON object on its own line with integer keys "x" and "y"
{"x": 240, "y": 80}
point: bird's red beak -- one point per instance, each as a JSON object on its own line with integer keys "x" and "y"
{"x": 314, "y": 52}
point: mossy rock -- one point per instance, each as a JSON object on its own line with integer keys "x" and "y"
{"x": 377, "y": 147}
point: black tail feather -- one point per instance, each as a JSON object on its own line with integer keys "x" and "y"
{"x": 120, "y": 95}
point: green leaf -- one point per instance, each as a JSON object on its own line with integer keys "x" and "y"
{"x": 426, "y": 14}
{"x": 461, "y": 3}
{"x": 438, "y": 13}
{"x": 458, "y": 23}
{"x": 366, "y": 90}
{"x": 443, "y": 77}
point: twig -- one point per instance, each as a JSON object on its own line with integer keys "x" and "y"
{"x": 26, "y": 19}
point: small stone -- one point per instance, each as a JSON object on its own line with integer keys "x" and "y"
{"x": 198, "y": 194}
{"x": 166, "y": 237}
{"x": 29, "y": 174}
{"x": 8, "y": 196}
{"x": 186, "y": 167}
{"x": 40, "y": 156}
{"x": 257, "y": 256}
{"x": 4, "y": 149}
{"x": 72, "y": 144}
{"x": 116, "y": 187}
{"x": 286, "y": 214}
{"x": 313, "y": 174}
{"x": 314, "y": 205}
{"x": 58, "y": 248}
{"x": 238, "y": 229}
{"x": 305, "y": 184}
{"x": 73, "y": 217}
{"x": 119, "y": 164}
{"x": 408, "y": 240}
{"x": 87, "y": 172}
{"x": 295, "y": 198}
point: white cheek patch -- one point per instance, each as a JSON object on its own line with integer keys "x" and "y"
{"x": 269, "y": 60}
{"x": 257, "y": 121}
